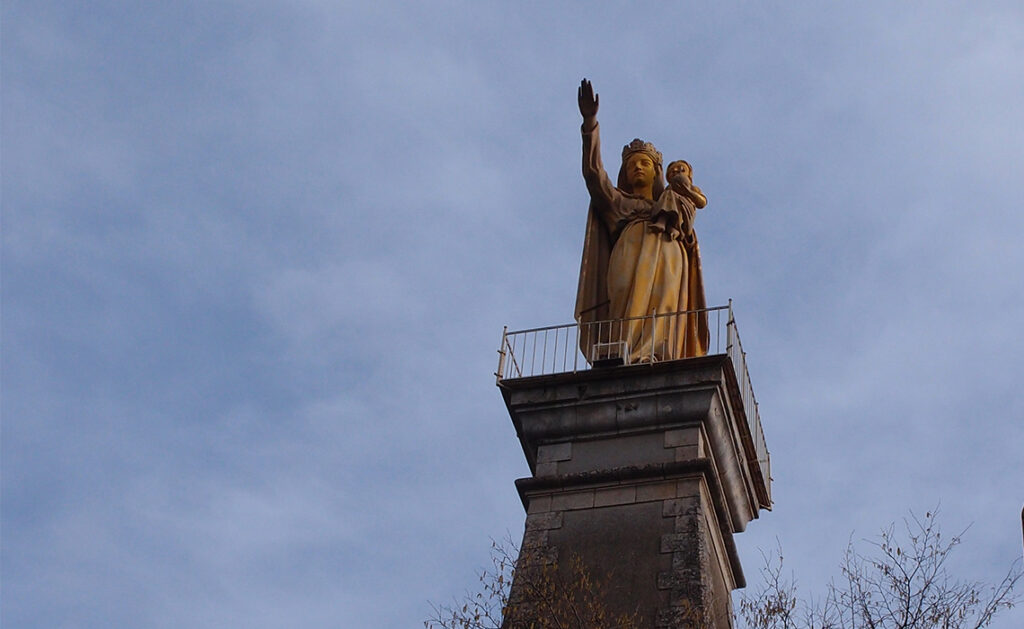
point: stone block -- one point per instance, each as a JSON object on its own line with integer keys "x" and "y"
{"x": 674, "y": 507}
{"x": 618, "y": 451}
{"x": 682, "y": 437}
{"x": 544, "y": 521}
{"x": 688, "y": 488}
{"x": 675, "y": 542}
{"x": 679, "y": 616}
{"x": 536, "y": 557}
{"x": 533, "y": 539}
{"x": 688, "y": 453}
{"x": 554, "y": 452}
{"x": 614, "y": 496}
{"x": 655, "y": 491}
{"x": 539, "y": 504}
{"x": 574, "y": 500}
{"x": 546, "y": 469}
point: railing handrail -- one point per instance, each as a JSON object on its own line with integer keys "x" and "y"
{"x": 638, "y": 318}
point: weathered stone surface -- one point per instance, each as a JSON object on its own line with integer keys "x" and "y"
{"x": 544, "y": 521}
{"x": 641, "y": 474}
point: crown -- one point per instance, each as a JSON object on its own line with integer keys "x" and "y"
{"x": 639, "y": 146}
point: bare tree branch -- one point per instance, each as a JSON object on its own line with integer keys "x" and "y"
{"x": 901, "y": 582}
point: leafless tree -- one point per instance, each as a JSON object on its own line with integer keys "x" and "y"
{"x": 545, "y": 598}
{"x": 902, "y": 581}
{"x": 483, "y": 609}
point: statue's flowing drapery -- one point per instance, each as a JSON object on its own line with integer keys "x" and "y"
{"x": 631, "y": 270}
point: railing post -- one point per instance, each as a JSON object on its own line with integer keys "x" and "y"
{"x": 654, "y": 334}
{"x": 500, "y": 373}
{"x": 578, "y": 349}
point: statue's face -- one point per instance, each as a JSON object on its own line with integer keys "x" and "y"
{"x": 676, "y": 168}
{"x": 640, "y": 170}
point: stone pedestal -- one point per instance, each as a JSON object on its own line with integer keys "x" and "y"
{"x": 642, "y": 474}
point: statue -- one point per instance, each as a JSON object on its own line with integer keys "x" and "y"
{"x": 640, "y": 255}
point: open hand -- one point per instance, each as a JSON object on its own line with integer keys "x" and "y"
{"x": 588, "y": 100}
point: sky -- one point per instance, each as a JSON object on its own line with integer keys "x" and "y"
{"x": 257, "y": 258}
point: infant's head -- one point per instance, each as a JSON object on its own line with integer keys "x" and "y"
{"x": 679, "y": 167}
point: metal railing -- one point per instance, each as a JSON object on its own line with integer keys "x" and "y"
{"x": 557, "y": 348}
{"x": 640, "y": 340}
{"x": 734, "y": 348}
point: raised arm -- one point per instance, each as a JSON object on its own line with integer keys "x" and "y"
{"x": 602, "y": 193}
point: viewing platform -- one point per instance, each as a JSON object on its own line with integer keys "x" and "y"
{"x": 529, "y": 356}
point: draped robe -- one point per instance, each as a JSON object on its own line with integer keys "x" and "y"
{"x": 629, "y": 270}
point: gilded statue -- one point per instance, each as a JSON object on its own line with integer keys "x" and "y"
{"x": 640, "y": 254}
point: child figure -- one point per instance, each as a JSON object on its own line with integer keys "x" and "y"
{"x": 677, "y": 207}
{"x": 680, "y": 179}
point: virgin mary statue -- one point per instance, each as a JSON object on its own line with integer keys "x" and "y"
{"x": 641, "y": 294}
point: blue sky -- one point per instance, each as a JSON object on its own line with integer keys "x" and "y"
{"x": 257, "y": 257}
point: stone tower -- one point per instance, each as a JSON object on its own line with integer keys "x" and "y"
{"x": 640, "y": 473}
